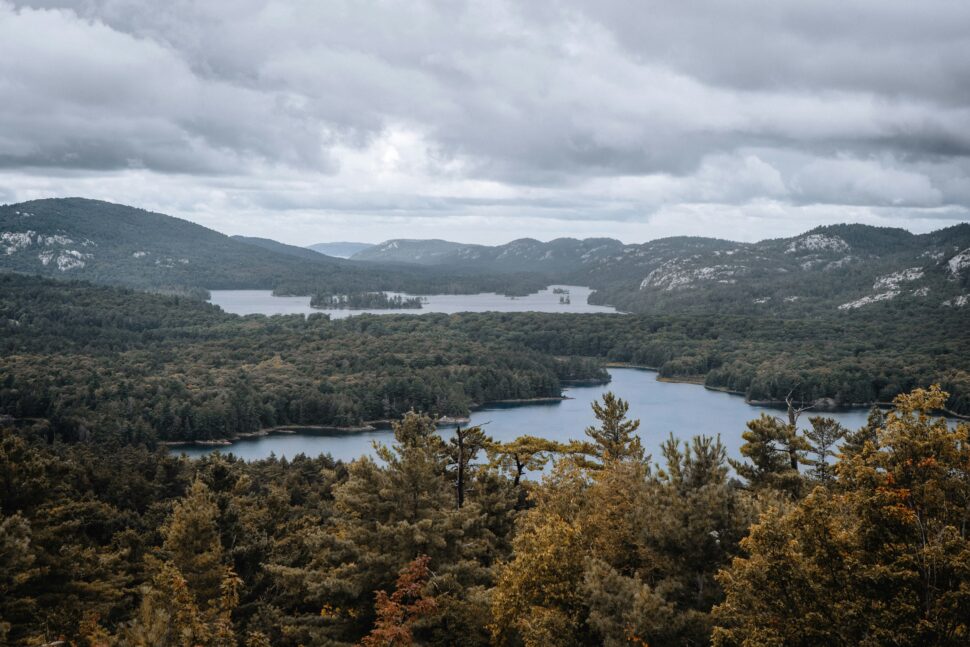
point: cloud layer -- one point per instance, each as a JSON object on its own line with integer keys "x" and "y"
{"x": 487, "y": 120}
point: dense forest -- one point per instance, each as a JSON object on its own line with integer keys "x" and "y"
{"x": 90, "y": 359}
{"x": 107, "y": 539}
{"x": 440, "y": 542}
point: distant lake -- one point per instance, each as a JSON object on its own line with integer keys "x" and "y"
{"x": 248, "y": 302}
{"x": 686, "y": 410}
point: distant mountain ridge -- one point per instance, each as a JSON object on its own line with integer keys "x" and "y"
{"x": 341, "y": 249}
{"x": 524, "y": 254}
{"x": 280, "y": 248}
{"x": 839, "y": 267}
{"x": 828, "y": 270}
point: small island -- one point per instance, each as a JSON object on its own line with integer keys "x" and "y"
{"x": 365, "y": 300}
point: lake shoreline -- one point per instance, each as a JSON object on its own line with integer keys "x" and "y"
{"x": 262, "y": 433}
{"x": 829, "y": 405}
{"x": 367, "y": 426}
{"x": 664, "y": 408}
{"x": 452, "y": 421}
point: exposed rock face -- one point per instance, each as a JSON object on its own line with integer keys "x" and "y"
{"x": 817, "y": 243}
{"x": 672, "y": 275}
{"x": 892, "y": 281}
{"x": 864, "y": 301}
{"x": 959, "y": 263}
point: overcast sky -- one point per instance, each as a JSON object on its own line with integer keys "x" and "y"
{"x": 309, "y": 121}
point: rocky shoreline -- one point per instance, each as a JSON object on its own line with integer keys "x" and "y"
{"x": 369, "y": 425}
{"x": 550, "y": 398}
{"x": 269, "y": 431}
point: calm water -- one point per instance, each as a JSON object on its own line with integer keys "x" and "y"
{"x": 684, "y": 409}
{"x": 248, "y": 302}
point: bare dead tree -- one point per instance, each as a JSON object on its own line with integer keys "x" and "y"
{"x": 793, "y": 414}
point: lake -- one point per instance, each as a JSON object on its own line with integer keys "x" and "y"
{"x": 248, "y": 302}
{"x": 685, "y": 410}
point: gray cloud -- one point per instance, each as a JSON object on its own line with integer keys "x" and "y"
{"x": 609, "y": 111}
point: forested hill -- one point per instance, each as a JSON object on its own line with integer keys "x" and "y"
{"x": 110, "y": 243}
{"x": 826, "y": 270}
{"x": 77, "y": 238}
{"x": 282, "y": 248}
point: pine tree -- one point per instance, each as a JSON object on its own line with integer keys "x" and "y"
{"x": 385, "y": 517}
{"x": 193, "y": 545}
{"x": 169, "y": 613}
{"x": 530, "y": 453}
{"x": 614, "y": 439}
{"x": 463, "y": 447}
{"x": 774, "y": 449}
{"x": 855, "y": 441}
{"x": 822, "y": 436}
{"x": 537, "y": 599}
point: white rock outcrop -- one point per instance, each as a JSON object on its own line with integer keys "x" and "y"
{"x": 958, "y": 263}
{"x": 817, "y": 243}
{"x": 893, "y": 281}
{"x": 864, "y": 301}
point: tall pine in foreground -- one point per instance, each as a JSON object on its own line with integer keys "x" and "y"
{"x": 614, "y": 439}
{"x": 193, "y": 592}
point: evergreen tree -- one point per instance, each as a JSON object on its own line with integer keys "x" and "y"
{"x": 855, "y": 441}
{"x": 170, "y": 614}
{"x": 192, "y": 543}
{"x": 537, "y": 599}
{"x": 463, "y": 447}
{"x": 614, "y": 439}
{"x": 822, "y": 436}
{"x": 774, "y": 450}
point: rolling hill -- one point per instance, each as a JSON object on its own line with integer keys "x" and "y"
{"x": 115, "y": 244}
{"x": 102, "y": 242}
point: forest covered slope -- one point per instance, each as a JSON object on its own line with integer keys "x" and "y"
{"x": 77, "y": 238}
